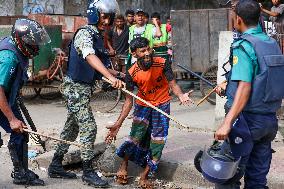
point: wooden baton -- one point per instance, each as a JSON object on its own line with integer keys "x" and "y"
{"x": 205, "y": 97}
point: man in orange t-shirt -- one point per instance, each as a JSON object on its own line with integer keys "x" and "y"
{"x": 153, "y": 77}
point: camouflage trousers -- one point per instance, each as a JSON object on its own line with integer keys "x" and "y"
{"x": 80, "y": 119}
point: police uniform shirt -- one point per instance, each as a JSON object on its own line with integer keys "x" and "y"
{"x": 83, "y": 41}
{"x": 245, "y": 66}
{"x": 8, "y": 64}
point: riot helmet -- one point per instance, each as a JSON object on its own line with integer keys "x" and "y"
{"x": 96, "y": 7}
{"x": 217, "y": 165}
{"x": 29, "y": 36}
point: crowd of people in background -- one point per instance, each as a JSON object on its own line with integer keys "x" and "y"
{"x": 137, "y": 24}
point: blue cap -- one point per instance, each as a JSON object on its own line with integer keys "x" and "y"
{"x": 241, "y": 141}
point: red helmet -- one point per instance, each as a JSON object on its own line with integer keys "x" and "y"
{"x": 29, "y": 36}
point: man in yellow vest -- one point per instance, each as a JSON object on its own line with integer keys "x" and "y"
{"x": 141, "y": 29}
{"x": 160, "y": 43}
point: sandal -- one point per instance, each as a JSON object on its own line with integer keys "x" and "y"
{"x": 121, "y": 177}
{"x": 146, "y": 184}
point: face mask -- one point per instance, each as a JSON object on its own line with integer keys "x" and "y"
{"x": 145, "y": 65}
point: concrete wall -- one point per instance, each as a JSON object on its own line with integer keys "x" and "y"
{"x": 43, "y": 6}
{"x": 78, "y": 7}
{"x": 7, "y": 7}
{"x": 165, "y": 6}
{"x": 225, "y": 41}
{"x": 75, "y": 7}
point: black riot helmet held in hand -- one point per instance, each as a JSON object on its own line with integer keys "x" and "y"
{"x": 29, "y": 36}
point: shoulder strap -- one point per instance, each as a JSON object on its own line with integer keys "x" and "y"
{"x": 250, "y": 38}
{"x": 244, "y": 50}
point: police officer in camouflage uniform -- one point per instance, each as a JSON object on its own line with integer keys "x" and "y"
{"x": 15, "y": 51}
{"x": 88, "y": 61}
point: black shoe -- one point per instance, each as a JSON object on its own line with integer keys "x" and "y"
{"x": 90, "y": 177}
{"x": 21, "y": 174}
{"x": 56, "y": 170}
{"x": 27, "y": 178}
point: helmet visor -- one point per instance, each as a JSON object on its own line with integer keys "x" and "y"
{"x": 39, "y": 38}
{"x": 218, "y": 169}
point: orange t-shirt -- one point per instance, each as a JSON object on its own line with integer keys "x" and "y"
{"x": 152, "y": 84}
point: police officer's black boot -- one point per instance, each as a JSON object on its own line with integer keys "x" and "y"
{"x": 90, "y": 177}
{"x": 22, "y": 175}
{"x": 56, "y": 170}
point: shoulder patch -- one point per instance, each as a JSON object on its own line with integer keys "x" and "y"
{"x": 12, "y": 70}
{"x": 235, "y": 60}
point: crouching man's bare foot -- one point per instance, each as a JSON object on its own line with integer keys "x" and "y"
{"x": 144, "y": 182}
{"x": 122, "y": 174}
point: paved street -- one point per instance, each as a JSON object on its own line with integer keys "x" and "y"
{"x": 176, "y": 168}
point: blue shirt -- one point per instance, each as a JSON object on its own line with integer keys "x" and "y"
{"x": 245, "y": 65}
{"x": 8, "y": 65}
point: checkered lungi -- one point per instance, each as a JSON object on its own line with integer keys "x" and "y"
{"x": 148, "y": 136}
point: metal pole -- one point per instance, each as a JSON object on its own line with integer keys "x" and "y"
{"x": 196, "y": 75}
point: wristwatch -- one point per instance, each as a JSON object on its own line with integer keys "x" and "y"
{"x": 118, "y": 74}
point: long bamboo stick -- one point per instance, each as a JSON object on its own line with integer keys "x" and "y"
{"x": 53, "y": 138}
{"x": 150, "y": 105}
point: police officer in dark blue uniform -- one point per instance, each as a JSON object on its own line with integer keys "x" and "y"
{"x": 254, "y": 91}
{"x": 15, "y": 51}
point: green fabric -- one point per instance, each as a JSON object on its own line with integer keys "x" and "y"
{"x": 245, "y": 66}
{"x": 8, "y": 64}
{"x": 138, "y": 131}
{"x": 164, "y": 38}
{"x": 148, "y": 33}
{"x": 156, "y": 150}
{"x": 161, "y": 50}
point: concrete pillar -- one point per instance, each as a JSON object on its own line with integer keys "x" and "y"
{"x": 225, "y": 41}
{"x": 19, "y": 7}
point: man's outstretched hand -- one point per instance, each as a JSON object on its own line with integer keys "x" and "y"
{"x": 184, "y": 98}
{"x": 112, "y": 133}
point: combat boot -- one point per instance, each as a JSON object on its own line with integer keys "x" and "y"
{"x": 20, "y": 175}
{"x": 56, "y": 170}
{"x": 90, "y": 177}
{"x": 27, "y": 178}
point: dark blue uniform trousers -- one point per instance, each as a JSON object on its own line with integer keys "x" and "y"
{"x": 255, "y": 165}
{"x": 18, "y": 139}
